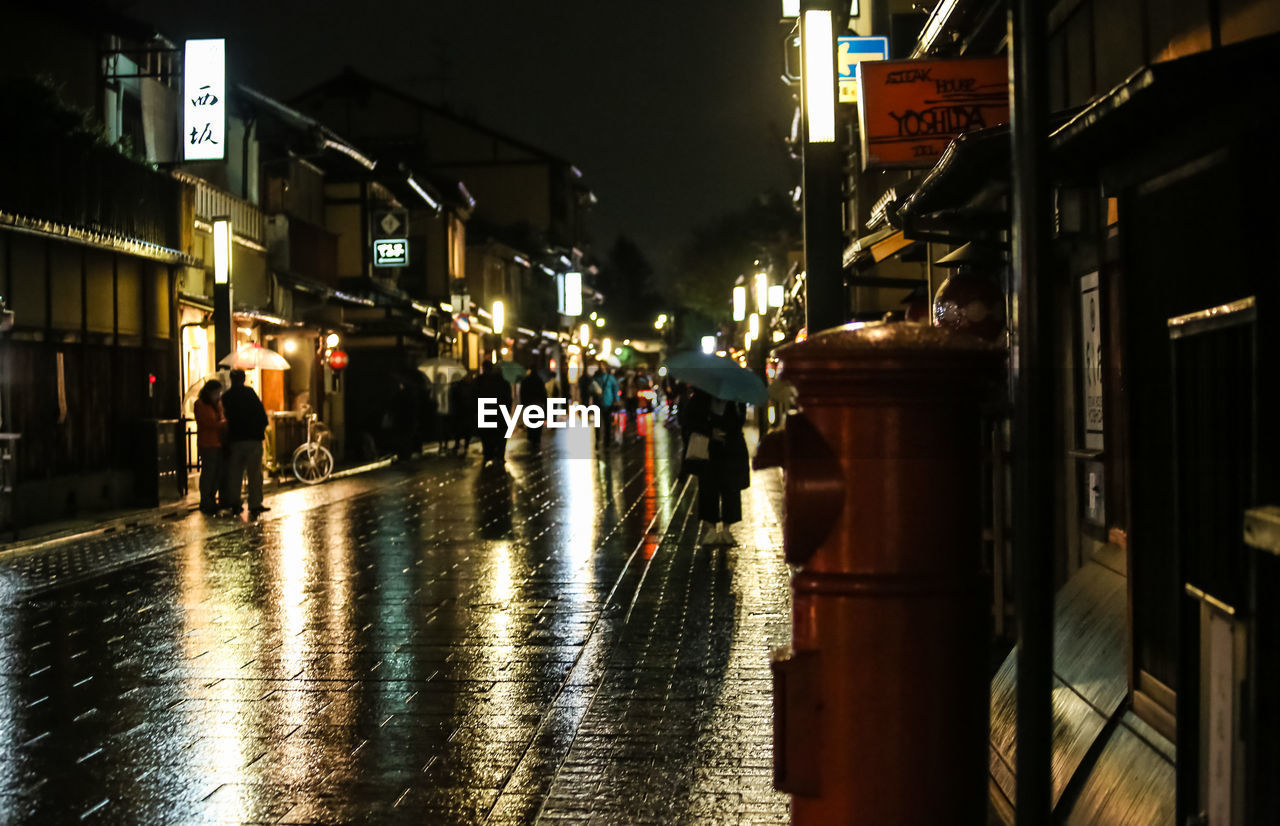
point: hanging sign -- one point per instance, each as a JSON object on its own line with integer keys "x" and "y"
{"x": 391, "y": 252}
{"x": 909, "y": 110}
{"x": 338, "y": 359}
{"x": 204, "y": 104}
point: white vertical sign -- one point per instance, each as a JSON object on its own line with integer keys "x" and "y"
{"x": 204, "y": 104}
{"x": 1091, "y": 360}
{"x": 570, "y": 294}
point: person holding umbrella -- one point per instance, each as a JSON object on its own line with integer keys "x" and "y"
{"x": 246, "y": 425}
{"x": 717, "y": 455}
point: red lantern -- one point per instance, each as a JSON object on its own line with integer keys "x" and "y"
{"x": 338, "y": 359}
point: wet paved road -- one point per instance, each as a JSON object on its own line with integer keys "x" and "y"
{"x": 429, "y": 644}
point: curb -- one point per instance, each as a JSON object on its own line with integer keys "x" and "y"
{"x": 151, "y": 516}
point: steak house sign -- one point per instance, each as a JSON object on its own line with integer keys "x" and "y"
{"x": 909, "y": 110}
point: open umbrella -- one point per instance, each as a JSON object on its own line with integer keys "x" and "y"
{"x": 255, "y": 355}
{"x": 446, "y": 367}
{"x": 511, "y": 371}
{"x": 721, "y": 377}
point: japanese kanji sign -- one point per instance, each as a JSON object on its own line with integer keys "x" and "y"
{"x": 204, "y": 106}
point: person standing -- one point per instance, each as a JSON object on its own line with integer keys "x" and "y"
{"x": 717, "y": 455}
{"x": 246, "y": 425}
{"x": 492, "y": 385}
{"x": 606, "y": 395}
{"x": 533, "y": 393}
{"x": 211, "y": 428}
{"x": 631, "y": 404}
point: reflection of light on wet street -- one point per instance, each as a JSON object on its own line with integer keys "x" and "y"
{"x": 427, "y": 645}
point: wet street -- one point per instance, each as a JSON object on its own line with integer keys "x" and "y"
{"x": 426, "y": 644}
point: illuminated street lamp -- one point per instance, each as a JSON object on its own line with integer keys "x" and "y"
{"x": 753, "y": 326}
{"x": 762, "y": 292}
{"x": 584, "y": 333}
{"x": 708, "y": 344}
{"x": 499, "y": 317}
{"x": 825, "y": 298}
{"x": 224, "y": 341}
{"x": 607, "y": 345}
{"x": 660, "y": 322}
{"x": 777, "y": 295}
{"x": 739, "y": 303}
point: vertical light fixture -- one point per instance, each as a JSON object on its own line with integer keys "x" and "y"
{"x": 739, "y": 303}
{"x": 223, "y": 340}
{"x": 606, "y": 347}
{"x": 584, "y": 334}
{"x": 817, "y": 42}
{"x": 777, "y": 295}
{"x": 499, "y": 316}
{"x": 708, "y": 345}
{"x": 762, "y": 292}
{"x": 221, "y": 250}
{"x": 753, "y": 326}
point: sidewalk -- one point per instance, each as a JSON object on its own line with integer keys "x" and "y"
{"x": 83, "y": 526}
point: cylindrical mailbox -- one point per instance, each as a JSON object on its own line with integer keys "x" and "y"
{"x": 881, "y": 704}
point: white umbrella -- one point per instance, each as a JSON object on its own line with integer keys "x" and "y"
{"x": 442, "y": 367}
{"x": 255, "y": 355}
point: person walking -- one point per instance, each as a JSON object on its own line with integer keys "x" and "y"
{"x": 533, "y": 393}
{"x": 631, "y": 404}
{"x": 462, "y": 412}
{"x": 246, "y": 425}
{"x": 717, "y": 455}
{"x": 492, "y": 385}
{"x": 606, "y": 395}
{"x": 211, "y": 428}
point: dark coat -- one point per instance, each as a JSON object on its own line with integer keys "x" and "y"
{"x": 533, "y": 391}
{"x": 246, "y": 417}
{"x": 492, "y": 385}
{"x": 728, "y": 464}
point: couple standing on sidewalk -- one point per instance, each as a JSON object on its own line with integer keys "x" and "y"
{"x": 229, "y": 431}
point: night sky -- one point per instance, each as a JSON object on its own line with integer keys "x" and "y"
{"x": 673, "y": 110}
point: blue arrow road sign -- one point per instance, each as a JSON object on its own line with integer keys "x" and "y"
{"x": 854, "y": 49}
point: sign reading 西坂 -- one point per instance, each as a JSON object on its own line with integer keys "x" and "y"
{"x": 909, "y": 110}
{"x": 391, "y": 252}
{"x": 204, "y": 105}
{"x": 850, "y": 52}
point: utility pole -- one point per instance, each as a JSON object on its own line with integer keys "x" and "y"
{"x": 1032, "y": 382}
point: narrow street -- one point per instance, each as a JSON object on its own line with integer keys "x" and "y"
{"x": 426, "y": 644}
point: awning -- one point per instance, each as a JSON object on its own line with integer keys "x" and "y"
{"x": 875, "y": 247}
{"x": 1155, "y": 100}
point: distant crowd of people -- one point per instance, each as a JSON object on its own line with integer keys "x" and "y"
{"x": 231, "y": 425}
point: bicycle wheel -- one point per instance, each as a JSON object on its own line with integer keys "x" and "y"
{"x": 312, "y": 464}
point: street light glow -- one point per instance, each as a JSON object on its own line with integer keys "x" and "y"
{"x": 607, "y": 345}
{"x": 777, "y": 295}
{"x": 600, "y": 321}
{"x": 221, "y": 250}
{"x": 584, "y": 333}
{"x": 739, "y": 303}
{"x": 499, "y": 316}
{"x": 762, "y": 292}
{"x": 819, "y": 75}
{"x": 753, "y": 326}
{"x": 708, "y": 344}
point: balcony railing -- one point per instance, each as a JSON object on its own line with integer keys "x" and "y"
{"x": 211, "y": 202}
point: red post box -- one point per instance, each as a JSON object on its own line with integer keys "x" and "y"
{"x": 881, "y": 701}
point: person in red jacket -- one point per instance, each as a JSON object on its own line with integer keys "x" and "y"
{"x": 211, "y": 428}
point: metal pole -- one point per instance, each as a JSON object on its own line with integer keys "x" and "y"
{"x": 1033, "y": 409}
{"x": 825, "y": 297}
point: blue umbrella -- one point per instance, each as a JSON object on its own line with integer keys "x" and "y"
{"x": 721, "y": 377}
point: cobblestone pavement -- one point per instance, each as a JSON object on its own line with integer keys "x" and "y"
{"x": 427, "y": 644}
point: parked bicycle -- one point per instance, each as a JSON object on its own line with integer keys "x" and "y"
{"x": 312, "y": 461}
